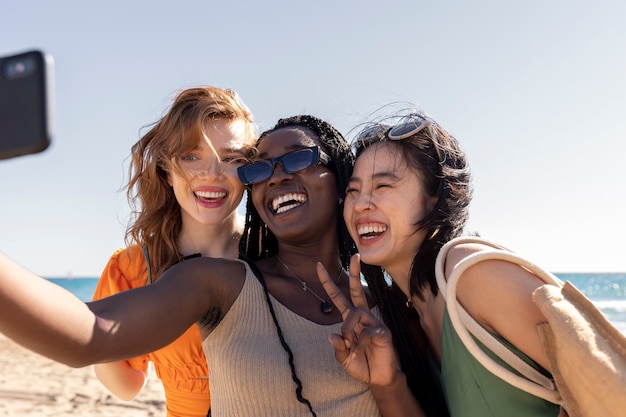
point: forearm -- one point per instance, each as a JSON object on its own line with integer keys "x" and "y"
{"x": 396, "y": 399}
{"x": 43, "y": 316}
{"x": 52, "y": 322}
{"x": 122, "y": 380}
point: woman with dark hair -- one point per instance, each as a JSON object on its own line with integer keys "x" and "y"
{"x": 264, "y": 323}
{"x": 408, "y": 196}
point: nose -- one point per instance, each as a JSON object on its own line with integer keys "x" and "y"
{"x": 212, "y": 168}
{"x": 362, "y": 202}
{"x": 279, "y": 174}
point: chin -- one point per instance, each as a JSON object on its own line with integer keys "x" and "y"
{"x": 370, "y": 258}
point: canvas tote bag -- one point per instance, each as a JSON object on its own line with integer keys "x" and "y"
{"x": 587, "y": 353}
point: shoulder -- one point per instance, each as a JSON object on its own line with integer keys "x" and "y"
{"x": 216, "y": 274}
{"x": 209, "y": 284}
{"x": 498, "y": 294}
{"x": 496, "y": 272}
{"x": 125, "y": 269}
{"x": 493, "y": 288}
{"x": 212, "y": 266}
{"x": 130, "y": 258}
{"x": 130, "y": 262}
{"x": 461, "y": 251}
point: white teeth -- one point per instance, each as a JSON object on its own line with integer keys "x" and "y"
{"x": 294, "y": 200}
{"x": 211, "y": 194}
{"x": 367, "y": 229}
{"x": 286, "y": 208}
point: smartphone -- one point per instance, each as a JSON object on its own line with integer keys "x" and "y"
{"x": 26, "y": 103}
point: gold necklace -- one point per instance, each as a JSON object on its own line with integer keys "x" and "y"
{"x": 325, "y": 306}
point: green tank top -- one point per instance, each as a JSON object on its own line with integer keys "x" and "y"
{"x": 472, "y": 391}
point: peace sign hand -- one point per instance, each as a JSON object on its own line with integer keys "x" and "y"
{"x": 364, "y": 348}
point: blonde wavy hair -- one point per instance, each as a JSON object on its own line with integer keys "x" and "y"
{"x": 156, "y": 217}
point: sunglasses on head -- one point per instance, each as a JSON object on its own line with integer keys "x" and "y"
{"x": 292, "y": 162}
{"x": 408, "y": 127}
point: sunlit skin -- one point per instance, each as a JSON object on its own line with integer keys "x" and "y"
{"x": 365, "y": 349}
{"x": 105, "y": 330}
{"x": 385, "y": 200}
{"x": 308, "y": 200}
{"x": 381, "y": 184}
{"x": 208, "y": 190}
{"x": 301, "y": 210}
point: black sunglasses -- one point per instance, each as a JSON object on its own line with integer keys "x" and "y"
{"x": 292, "y": 162}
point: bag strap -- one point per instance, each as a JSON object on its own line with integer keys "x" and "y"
{"x": 534, "y": 382}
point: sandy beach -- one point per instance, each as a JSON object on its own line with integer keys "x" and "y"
{"x": 32, "y": 385}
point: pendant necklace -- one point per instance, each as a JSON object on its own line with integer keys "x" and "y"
{"x": 325, "y": 306}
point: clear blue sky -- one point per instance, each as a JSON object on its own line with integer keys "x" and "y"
{"x": 535, "y": 91}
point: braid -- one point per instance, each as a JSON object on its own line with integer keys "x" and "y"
{"x": 258, "y": 242}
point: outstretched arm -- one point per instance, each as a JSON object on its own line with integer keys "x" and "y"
{"x": 365, "y": 348}
{"x": 51, "y": 321}
{"x": 41, "y": 315}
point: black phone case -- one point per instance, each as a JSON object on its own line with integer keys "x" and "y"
{"x": 24, "y": 104}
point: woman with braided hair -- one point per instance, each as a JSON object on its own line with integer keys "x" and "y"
{"x": 264, "y": 323}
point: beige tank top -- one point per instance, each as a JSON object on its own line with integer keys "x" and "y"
{"x": 249, "y": 369}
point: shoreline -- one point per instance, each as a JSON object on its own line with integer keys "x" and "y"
{"x": 33, "y": 385}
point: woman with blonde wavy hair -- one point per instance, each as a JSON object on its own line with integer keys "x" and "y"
{"x": 184, "y": 191}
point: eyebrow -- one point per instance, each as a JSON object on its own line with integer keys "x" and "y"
{"x": 383, "y": 175}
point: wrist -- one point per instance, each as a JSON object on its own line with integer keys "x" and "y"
{"x": 395, "y": 398}
{"x": 395, "y": 381}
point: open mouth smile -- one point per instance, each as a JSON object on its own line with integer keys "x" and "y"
{"x": 370, "y": 231}
{"x": 289, "y": 201}
{"x": 210, "y": 196}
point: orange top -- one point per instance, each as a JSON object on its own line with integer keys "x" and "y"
{"x": 181, "y": 365}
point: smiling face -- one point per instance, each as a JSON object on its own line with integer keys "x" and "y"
{"x": 206, "y": 186}
{"x": 384, "y": 202}
{"x": 295, "y": 206}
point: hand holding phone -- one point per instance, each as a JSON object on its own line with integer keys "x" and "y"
{"x": 26, "y": 103}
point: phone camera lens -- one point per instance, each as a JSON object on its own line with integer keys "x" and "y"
{"x": 18, "y": 68}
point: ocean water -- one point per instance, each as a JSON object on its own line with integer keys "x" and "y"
{"x": 81, "y": 287}
{"x": 606, "y": 290}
